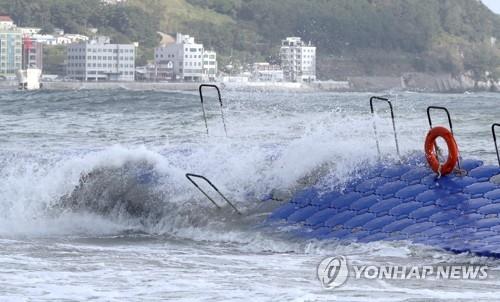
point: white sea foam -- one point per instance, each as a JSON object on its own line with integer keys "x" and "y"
{"x": 192, "y": 251}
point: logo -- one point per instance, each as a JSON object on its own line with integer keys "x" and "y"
{"x": 333, "y": 271}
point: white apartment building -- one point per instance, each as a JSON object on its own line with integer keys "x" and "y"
{"x": 298, "y": 60}
{"x": 209, "y": 65}
{"x": 188, "y": 59}
{"x": 99, "y": 60}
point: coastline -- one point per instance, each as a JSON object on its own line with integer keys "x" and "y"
{"x": 415, "y": 82}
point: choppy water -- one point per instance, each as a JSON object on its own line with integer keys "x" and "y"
{"x": 179, "y": 248}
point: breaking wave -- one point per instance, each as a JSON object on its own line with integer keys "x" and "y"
{"x": 120, "y": 189}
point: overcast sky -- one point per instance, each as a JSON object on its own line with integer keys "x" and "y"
{"x": 494, "y": 5}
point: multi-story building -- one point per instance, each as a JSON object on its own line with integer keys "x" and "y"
{"x": 163, "y": 71}
{"x": 298, "y": 60}
{"x": 10, "y": 47}
{"x": 32, "y": 53}
{"x": 155, "y": 72}
{"x": 209, "y": 65}
{"x": 188, "y": 59}
{"x": 99, "y": 60}
{"x": 263, "y": 71}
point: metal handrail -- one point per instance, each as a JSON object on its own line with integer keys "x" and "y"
{"x": 439, "y": 108}
{"x": 200, "y": 89}
{"x": 189, "y": 176}
{"x": 495, "y": 140}
{"x": 449, "y": 122}
{"x": 376, "y": 98}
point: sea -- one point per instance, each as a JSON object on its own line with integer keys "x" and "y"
{"x": 95, "y": 205}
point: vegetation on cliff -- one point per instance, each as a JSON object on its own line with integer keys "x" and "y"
{"x": 380, "y": 37}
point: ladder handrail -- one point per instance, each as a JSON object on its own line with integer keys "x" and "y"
{"x": 495, "y": 140}
{"x": 200, "y": 89}
{"x": 376, "y": 98}
{"x": 439, "y": 108}
{"x": 189, "y": 176}
{"x": 449, "y": 122}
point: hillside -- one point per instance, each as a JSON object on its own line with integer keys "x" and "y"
{"x": 372, "y": 37}
{"x": 364, "y": 37}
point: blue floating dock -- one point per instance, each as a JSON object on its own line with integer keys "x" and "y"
{"x": 405, "y": 201}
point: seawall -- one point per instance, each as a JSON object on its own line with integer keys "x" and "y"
{"x": 418, "y": 82}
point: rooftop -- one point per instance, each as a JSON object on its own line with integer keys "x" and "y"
{"x": 295, "y": 41}
{"x": 5, "y": 19}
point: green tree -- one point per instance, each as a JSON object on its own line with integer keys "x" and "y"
{"x": 53, "y": 60}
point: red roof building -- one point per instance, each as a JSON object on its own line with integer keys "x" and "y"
{"x": 5, "y": 19}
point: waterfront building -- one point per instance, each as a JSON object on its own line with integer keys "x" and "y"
{"x": 10, "y": 47}
{"x": 265, "y": 72}
{"x": 100, "y": 60}
{"x": 162, "y": 71}
{"x": 32, "y": 53}
{"x": 189, "y": 60}
{"x": 209, "y": 65}
{"x": 298, "y": 60}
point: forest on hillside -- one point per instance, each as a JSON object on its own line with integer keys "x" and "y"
{"x": 379, "y": 36}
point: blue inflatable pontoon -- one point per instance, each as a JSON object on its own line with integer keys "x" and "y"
{"x": 407, "y": 200}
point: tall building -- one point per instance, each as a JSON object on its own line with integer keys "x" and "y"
{"x": 99, "y": 60}
{"x": 188, "y": 59}
{"x": 209, "y": 65}
{"x": 10, "y": 47}
{"x": 298, "y": 60}
{"x": 32, "y": 53}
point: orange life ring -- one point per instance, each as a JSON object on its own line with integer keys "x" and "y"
{"x": 430, "y": 153}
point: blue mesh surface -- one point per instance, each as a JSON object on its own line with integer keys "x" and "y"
{"x": 405, "y": 202}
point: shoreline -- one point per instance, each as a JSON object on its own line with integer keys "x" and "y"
{"x": 409, "y": 82}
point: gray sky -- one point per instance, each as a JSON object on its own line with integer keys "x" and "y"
{"x": 494, "y": 5}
